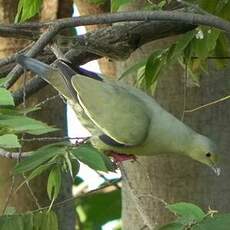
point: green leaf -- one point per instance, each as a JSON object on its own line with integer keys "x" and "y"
{"x": 133, "y": 68}
{"x": 154, "y": 66}
{"x": 101, "y": 208}
{"x": 54, "y": 183}
{"x": 6, "y": 97}
{"x": 222, "y": 49}
{"x": 187, "y": 212}
{"x": 28, "y": 221}
{"x": 39, "y": 157}
{"x": 97, "y": 2}
{"x": 172, "y": 226}
{"x": 27, "y": 9}
{"x": 91, "y": 157}
{"x": 9, "y": 141}
{"x": 75, "y": 168}
{"x": 36, "y": 172}
{"x": 203, "y": 47}
{"x": 18, "y": 124}
{"x": 117, "y": 3}
{"x": 181, "y": 45}
{"x": 217, "y": 222}
{"x": 50, "y": 221}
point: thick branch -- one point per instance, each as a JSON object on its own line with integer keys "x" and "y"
{"x": 188, "y": 18}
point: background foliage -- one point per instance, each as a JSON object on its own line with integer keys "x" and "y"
{"x": 191, "y": 51}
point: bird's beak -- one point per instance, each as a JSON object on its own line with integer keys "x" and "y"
{"x": 217, "y": 170}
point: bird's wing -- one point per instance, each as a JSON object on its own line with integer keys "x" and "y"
{"x": 118, "y": 113}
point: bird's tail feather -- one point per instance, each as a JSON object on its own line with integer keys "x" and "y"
{"x": 32, "y": 64}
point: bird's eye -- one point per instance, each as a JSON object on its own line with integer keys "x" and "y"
{"x": 208, "y": 154}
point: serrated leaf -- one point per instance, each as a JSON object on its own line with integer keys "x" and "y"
{"x": 172, "y": 226}
{"x": 39, "y": 157}
{"x": 18, "y": 124}
{"x": 217, "y": 222}
{"x": 186, "y": 212}
{"x": 91, "y": 157}
{"x": 54, "y": 183}
{"x": 6, "y": 97}
{"x": 9, "y": 141}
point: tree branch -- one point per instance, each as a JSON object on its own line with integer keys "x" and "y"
{"x": 58, "y": 25}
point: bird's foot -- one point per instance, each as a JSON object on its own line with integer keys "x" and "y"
{"x": 120, "y": 157}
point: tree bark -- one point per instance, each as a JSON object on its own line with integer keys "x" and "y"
{"x": 177, "y": 178}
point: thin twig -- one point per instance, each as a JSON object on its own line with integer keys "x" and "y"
{"x": 139, "y": 206}
{"x": 71, "y": 199}
{"x": 48, "y": 99}
{"x": 12, "y": 58}
{"x": 31, "y": 192}
{"x": 208, "y": 104}
{"x": 54, "y": 139}
{"x": 13, "y": 155}
{"x": 184, "y": 91}
{"x": 9, "y": 195}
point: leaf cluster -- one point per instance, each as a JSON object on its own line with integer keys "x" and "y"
{"x": 190, "y": 216}
{"x": 14, "y": 121}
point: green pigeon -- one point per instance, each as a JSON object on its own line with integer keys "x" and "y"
{"x": 121, "y": 118}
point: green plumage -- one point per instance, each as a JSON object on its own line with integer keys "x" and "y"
{"x": 126, "y": 115}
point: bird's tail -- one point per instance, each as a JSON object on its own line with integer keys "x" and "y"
{"x": 58, "y": 78}
{"x": 32, "y": 64}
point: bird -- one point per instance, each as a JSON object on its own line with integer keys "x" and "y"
{"x": 121, "y": 118}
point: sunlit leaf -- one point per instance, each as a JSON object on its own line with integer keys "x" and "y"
{"x": 27, "y": 9}
{"x": 117, "y": 3}
{"x": 18, "y": 124}
{"x": 6, "y": 97}
{"x": 186, "y": 212}
{"x": 54, "y": 183}
{"x": 9, "y": 141}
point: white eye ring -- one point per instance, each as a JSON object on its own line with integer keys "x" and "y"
{"x": 208, "y": 154}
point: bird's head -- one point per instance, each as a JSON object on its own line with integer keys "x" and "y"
{"x": 205, "y": 151}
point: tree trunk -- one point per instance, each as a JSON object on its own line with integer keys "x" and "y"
{"x": 52, "y": 113}
{"x": 171, "y": 178}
